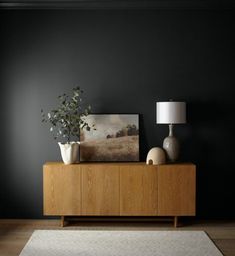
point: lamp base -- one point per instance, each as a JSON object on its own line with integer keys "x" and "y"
{"x": 171, "y": 147}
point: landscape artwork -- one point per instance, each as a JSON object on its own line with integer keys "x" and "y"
{"x": 115, "y": 137}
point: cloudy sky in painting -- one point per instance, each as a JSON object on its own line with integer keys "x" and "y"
{"x": 108, "y": 124}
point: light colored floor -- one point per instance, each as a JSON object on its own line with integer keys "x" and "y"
{"x": 15, "y": 233}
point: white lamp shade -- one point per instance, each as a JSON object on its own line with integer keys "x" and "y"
{"x": 171, "y": 112}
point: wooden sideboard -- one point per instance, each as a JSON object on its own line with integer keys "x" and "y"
{"x": 119, "y": 189}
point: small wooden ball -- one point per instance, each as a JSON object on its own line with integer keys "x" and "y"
{"x": 156, "y": 156}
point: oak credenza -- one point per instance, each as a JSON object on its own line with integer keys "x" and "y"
{"x": 119, "y": 189}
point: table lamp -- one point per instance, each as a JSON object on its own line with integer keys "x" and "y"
{"x": 171, "y": 112}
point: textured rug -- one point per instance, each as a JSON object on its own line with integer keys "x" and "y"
{"x": 117, "y": 243}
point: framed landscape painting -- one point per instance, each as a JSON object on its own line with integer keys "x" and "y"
{"x": 115, "y": 138}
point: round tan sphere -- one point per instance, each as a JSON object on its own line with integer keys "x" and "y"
{"x": 156, "y": 156}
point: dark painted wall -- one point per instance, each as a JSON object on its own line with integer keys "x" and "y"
{"x": 125, "y": 61}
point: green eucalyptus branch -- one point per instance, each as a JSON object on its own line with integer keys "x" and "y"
{"x": 69, "y": 117}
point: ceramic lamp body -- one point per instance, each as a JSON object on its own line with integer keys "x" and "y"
{"x": 172, "y": 148}
{"x": 69, "y": 152}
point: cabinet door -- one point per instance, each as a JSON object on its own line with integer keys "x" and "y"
{"x": 138, "y": 190}
{"x": 62, "y": 189}
{"x": 176, "y": 190}
{"x": 100, "y": 190}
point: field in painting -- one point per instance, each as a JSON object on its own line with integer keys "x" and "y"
{"x": 124, "y": 148}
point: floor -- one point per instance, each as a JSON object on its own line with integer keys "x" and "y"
{"x": 15, "y": 233}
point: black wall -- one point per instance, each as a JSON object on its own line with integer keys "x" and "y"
{"x": 125, "y": 61}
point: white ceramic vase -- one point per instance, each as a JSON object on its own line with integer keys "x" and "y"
{"x": 69, "y": 152}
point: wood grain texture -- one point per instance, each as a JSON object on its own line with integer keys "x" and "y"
{"x": 126, "y": 189}
{"x": 176, "y": 190}
{"x": 100, "y": 190}
{"x": 61, "y": 189}
{"x": 138, "y": 190}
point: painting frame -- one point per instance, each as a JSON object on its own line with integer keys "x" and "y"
{"x": 122, "y": 145}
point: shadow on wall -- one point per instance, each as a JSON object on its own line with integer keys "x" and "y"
{"x": 212, "y": 147}
{"x": 143, "y": 139}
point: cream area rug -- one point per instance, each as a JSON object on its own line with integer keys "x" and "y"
{"x": 119, "y": 243}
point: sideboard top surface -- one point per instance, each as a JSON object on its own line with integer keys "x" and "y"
{"x": 113, "y": 163}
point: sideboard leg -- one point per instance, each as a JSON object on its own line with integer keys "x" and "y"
{"x": 62, "y": 221}
{"x": 175, "y": 221}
